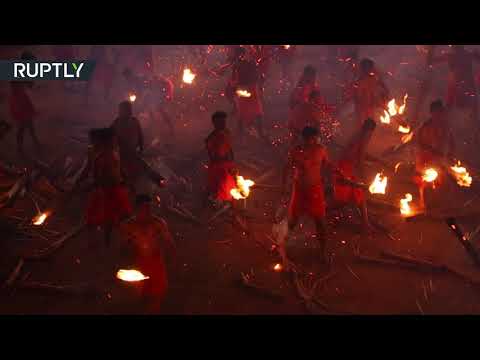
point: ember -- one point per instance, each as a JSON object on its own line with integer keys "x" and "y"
{"x": 461, "y": 175}
{"x": 406, "y": 138}
{"x": 243, "y": 188}
{"x": 404, "y": 129}
{"x": 378, "y": 185}
{"x": 278, "y": 267}
{"x": 405, "y": 208}
{"x": 40, "y": 218}
{"x": 243, "y": 93}
{"x": 132, "y": 97}
{"x": 131, "y": 275}
{"x": 430, "y": 175}
{"x": 188, "y": 76}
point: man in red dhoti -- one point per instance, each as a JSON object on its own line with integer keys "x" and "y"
{"x": 307, "y": 162}
{"x": 153, "y": 244}
{"x": 316, "y": 113}
{"x": 462, "y": 90}
{"x": 434, "y": 142}
{"x": 305, "y": 86}
{"x": 247, "y": 94}
{"x": 108, "y": 203}
{"x": 220, "y": 179}
{"x": 350, "y": 167}
{"x": 369, "y": 93}
{"x": 130, "y": 141}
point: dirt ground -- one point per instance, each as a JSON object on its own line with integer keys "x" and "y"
{"x": 206, "y": 279}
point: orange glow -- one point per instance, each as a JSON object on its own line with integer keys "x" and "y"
{"x": 131, "y": 275}
{"x": 406, "y": 138}
{"x": 188, "y": 76}
{"x": 278, "y": 267}
{"x": 461, "y": 175}
{"x": 404, "y": 129}
{"x": 430, "y": 175}
{"x": 243, "y": 93}
{"x": 405, "y": 208}
{"x": 394, "y": 109}
{"x": 385, "y": 119}
{"x": 243, "y": 188}
{"x": 40, "y": 218}
{"x": 132, "y": 97}
{"x": 378, "y": 185}
{"x": 286, "y": 47}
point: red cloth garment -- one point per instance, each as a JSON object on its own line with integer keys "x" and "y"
{"x": 220, "y": 179}
{"x": 307, "y": 201}
{"x": 154, "y": 267}
{"x": 108, "y": 205}
{"x": 343, "y": 193}
{"x": 249, "y": 108}
{"x": 21, "y": 107}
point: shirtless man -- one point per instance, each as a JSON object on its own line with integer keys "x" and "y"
{"x": 307, "y": 162}
{"x": 435, "y": 143}
{"x": 369, "y": 93}
{"x": 153, "y": 246}
{"x": 462, "y": 90}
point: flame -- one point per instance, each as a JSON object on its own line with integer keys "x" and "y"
{"x": 406, "y": 138}
{"x": 286, "y": 47}
{"x": 405, "y": 208}
{"x": 131, "y": 275}
{"x": 188, "y": 76}
{"x": 278, "y": 267}
{"x": 378, "y": 185}
{"x": 40, "y": 218}
{"x": 385, "y": 119}
{"x": 392, "y": 107}
{"x": 243, "y": 93}
{"x": 430, "y": 175}
{"x": 132, "y": 97}
{"x": 404, "y": 129}
{"x": 401, "y": 109}
{"x": 397, "y": 165}
{"x": 243, "y": 188}
{"x": 461, "y": 175}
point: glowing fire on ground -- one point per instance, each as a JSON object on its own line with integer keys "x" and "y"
{"x": 188, "y": 76}
{"x": 379, "y": 185}
{"x": 242, "y": 189}
{"x": 243, "y": 93}
{"x": 40, "y": 218}
{"x": 278, "y": 267}
{"x": 405, "y": 208}
{"x": 131, "y": 275}
{"x": 461, "y": 175}
{"x": 132, "y": 97}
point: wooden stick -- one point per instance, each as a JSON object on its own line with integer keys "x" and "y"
{"x": 46, "y": 252}
{"x": 219, "y": 212}
{"x": 15, "y": 273}
{"x": 460, "y": 235}
{"x": 183, "y": 215}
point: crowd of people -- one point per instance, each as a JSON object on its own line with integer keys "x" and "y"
{"x": 114, "y": 154}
